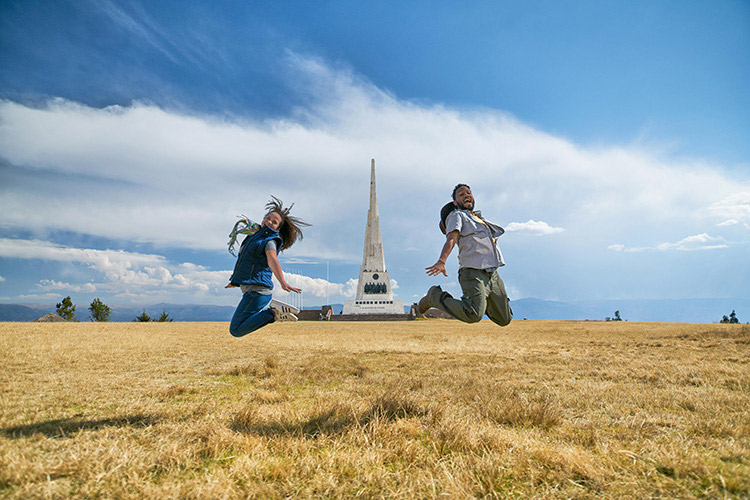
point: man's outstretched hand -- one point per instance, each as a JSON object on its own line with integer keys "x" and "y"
{"x": 437, "y": 268}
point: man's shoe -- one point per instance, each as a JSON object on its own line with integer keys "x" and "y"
{"x": 425, "y": 303}
{"x": 423, "y": 306}
{"x": 282, "y": 308}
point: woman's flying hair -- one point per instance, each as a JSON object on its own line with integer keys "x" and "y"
{"x": 290, "y": 228}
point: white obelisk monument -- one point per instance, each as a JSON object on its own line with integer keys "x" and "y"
{"x": 374, "y": 293}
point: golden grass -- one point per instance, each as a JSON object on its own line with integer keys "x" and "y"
{"x": 422, "y": 409}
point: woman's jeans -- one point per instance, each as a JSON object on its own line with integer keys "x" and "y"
{"x": 251, "y": 314}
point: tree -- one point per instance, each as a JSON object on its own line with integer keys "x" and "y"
{"x": 733, "y": 317}
{"x": 66, "y": 309}
{"x": 99, "y": 310}
{"x": 142, "y": 318}
{"x": 164, "y": 317}
{"x": 616, "y": 318}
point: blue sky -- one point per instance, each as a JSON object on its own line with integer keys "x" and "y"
{"x": 609, "y": 138}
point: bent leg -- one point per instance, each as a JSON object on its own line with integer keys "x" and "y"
{"x": 251, "y": 314}
{"x": 470, "y": 308}
{"x": 498, "y": 303}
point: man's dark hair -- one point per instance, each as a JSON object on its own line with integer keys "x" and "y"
{"x": 456, "y": 189}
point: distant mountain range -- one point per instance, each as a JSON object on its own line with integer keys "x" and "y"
{"x": 123, "y": 313}
{"x": 665, "y": 310}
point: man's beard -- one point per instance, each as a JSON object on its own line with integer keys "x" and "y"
{"x": 468, "y": 206}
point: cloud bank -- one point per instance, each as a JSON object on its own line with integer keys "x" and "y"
{"x": 130, "y": 275}
{"x": 141, "y": 173}
{"x": 153, "y": 170}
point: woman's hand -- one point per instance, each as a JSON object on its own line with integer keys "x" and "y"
{"x": 230, "y": 286}
{"x": 273, "y": 263}
{"x": 285, "y": 286}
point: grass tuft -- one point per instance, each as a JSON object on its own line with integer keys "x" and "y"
{"x": 392, "y": 405}
{"x": 511, "y": 407}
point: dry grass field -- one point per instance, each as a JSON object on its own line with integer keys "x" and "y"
{"x": 421, "y": 409}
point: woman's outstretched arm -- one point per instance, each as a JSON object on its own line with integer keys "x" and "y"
{"x": 273, "y": 263}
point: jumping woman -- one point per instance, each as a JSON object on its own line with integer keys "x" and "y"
{"x": 256, "y": 262}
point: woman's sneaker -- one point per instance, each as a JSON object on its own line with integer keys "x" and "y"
{"x": 283, "y": 311}
{"x": 286, "y": 317}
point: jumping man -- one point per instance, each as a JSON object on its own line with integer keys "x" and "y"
{"x": 478, "y": 258}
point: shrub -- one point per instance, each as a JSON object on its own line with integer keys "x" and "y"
{"x": 142, "y": 318}
{"x": 99, "y": 310}
{"x": 66, "y": 309}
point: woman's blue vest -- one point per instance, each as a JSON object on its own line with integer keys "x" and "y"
{"x": 252, "y": 264}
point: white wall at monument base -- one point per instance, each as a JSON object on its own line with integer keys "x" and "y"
{"x": 373, "y": 307}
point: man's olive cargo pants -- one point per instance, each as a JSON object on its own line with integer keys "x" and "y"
{"x": 483, "y": 293}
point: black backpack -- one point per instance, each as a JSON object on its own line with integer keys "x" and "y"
{"x": 444, "y": 212}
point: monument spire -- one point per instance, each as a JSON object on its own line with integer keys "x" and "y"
{"x": 373, "y": 258}
{"x": 373, "y": 192}
{"x": 374, "y": 292}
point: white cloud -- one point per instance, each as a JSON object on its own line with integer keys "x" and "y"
{"x": 2, "y": 279}
{"x": 316, "y": 287}
{"x": 696, "y": 242}
{"x": 513, "y": 292}
{"x": 37, "y": 297}
{"x": 729, "y": 222}
{"x": 736, "y": 207}
{"x": 56, "y": 285}
{"x": 297, "y": 260}
{"x": 538, "y": 228}
{"x": 622, "y": 248}
{"x": 143, "y": 30}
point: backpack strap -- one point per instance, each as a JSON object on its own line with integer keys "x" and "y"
{"x": 481, "y": 219}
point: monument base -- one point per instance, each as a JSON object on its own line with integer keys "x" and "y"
{"x": 373, "y": 307}
{"x": 371, "y": 317}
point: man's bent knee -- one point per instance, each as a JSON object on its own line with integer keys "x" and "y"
{"x": 473, "y": 316}
{"x": 502, "y": 322}
{"x": 501, "y": 319}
